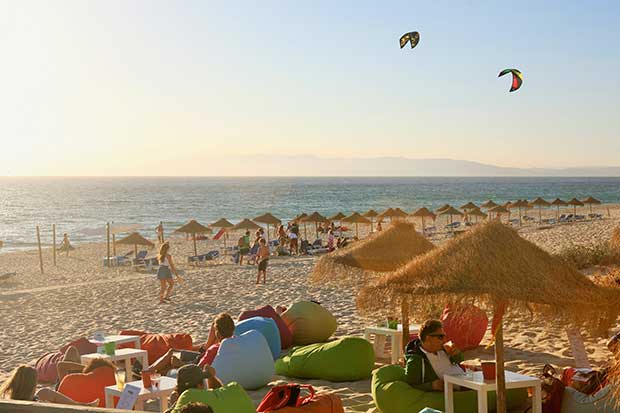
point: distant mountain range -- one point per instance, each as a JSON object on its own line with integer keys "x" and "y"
{"x": 270, "y": 165}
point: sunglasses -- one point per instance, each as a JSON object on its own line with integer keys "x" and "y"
{"x": 439, "y": 336}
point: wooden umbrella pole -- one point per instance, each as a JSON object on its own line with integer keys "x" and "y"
{"x": 135, "y": 250}
{"x": 357, "y": 235}
{"x": 371, "y": 230}
{"x": 499, "y": 369}
{"x": 195, "y": 249}
{"x": 114, "y": 244}
{"x": 404, "y": 309}
{"x": 40, "y": 252}
{"x": 54, "y": 243}
{"x": 107, "y": 232}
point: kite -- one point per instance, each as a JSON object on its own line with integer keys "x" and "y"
{"x": 517, "y": 78}
{"x": 411, "y": 37}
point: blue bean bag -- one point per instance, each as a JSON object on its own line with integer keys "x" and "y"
{"x": 267, "y": 327}
{"x": 245, "y": 359}
{"x": 392, "y": 394}
{"x": 345, "y": 359}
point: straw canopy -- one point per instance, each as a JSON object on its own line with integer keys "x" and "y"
{"x": 268, "y": 219}
{"x": 442, "y": 208}
{"x": 423, "y": 213}
{"x": 135, "y": 239}
{"x": 575, "y": 202}
{"x": 476, "y": 213}
{"x": 222, "y": 223}
{"x": 499, "y": 209}
{"x": 337, "y": 217}
{"x": 315, "y": 217}
{"x": 468, "y": 206}
{"x": 300, "y": 217}
{"x": 558, "y": 202}
{"x": 450, "y": 211}
{"x": 488, "y": 204}
{"x": 194, "y": 227}
{"x": 385, "y": 251}
{"x": 592, "y": 201}
{"x": 371, "y": 213}
{"x": 508, "y": 205}
{"x": 393, "y": 213}
{"x": 493, "y": 263}
{"x": 246, "y": 224}
{"x": 356, "y": 218}
{"x": 539, "y": 202}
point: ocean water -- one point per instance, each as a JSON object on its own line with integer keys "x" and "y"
{"x": 82, "y": 206}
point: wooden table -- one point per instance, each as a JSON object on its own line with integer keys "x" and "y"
{"x": 123, "y": 354}
{"x": 118, "y": 339}
{"x": 477, "y": 382}
{"x": 166, "y": 387}
{"x": 381, "y": 333}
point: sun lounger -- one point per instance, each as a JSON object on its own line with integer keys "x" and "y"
{"x": 139, "y": 260}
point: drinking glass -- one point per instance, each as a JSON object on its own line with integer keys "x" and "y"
{"x": 120, "y": 379}
{"x": 155, "y": 379}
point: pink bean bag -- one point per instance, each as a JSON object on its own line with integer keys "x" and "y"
{"x": 286, "y": 337}
{"x": 46, "y": 367}
{"x": 465, "y": 325}
{"x": 83, "y": 346}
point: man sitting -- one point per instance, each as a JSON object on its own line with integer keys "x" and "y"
{"x": 429, "y": 358}
{"x": 222, "y": 327}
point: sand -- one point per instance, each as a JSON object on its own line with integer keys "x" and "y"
{"x": 41, "y": 312}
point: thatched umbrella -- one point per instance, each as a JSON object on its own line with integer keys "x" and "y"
{"x": 488, "y": 205}
{"x": 382, "y": 252}
{"x": 247, "y": 225}
{"x": 423, "y": 213}
{"x": 442, "y": 208}
{"x": 468, "y": 206}
{"x": 498, "y": 211}
{"x": 558, "y": 203}
{"x": 300, "y": 217}
{"x": 194, "y": 227}
{"x": 135, "y": 239}
{"x": 539, "y": 202}
{"x": 316, "y": 218}
{"x": 392, "y": 213}
{"x": 520, "y": 203}
{"x": 268, "y": 219}
{"x": 337, "y": 217}
{"x": 356, "y": 218}
{"x": 224, "y": 224}
{"x": 496, "y": 266}
{"x": 476, "y": 212}
{"x": 575, "y": 203}
{"x": 451, "y": 211}
{"x": 591, "y": 201}
{"x": 371, "y": 214}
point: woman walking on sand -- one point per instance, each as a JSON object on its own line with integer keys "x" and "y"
{"x": 263, "y": 258}
{"x": 164, "y": 273}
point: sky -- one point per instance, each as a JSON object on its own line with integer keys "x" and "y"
{"x": 120, "y": 87}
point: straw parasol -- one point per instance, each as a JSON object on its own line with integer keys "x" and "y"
{"x": 468, "y": 206}
{"x": 194, "y": 227}
{"x": 337, "y": 217}
{"x": 268, "y": 219}
{"x": 498, "y": 211}
{"x": 539, "y": 202}
{"x": 476, "y": 212}
{"x": 116, "y": 229}
{"x": 442, "y": 208}
{"x": 591, "y": 201}
{"x": 316, "y": 218}
{"x": 575, "y": 203}
{"x": 224, "y": 224}
{"x": 135, "y": 239}
{"x": 498, "y": 268}
{"x": 423, "y": 213}
{"x": 488, "y": 205}
{"x": 392, "y": 213}
{"x": 356, "y": 218}
{"x": 246, "y": 224}
{"x": 371, "y": 214}
{"x": 300, "y": 217}
{"x": 558, "y": 203}
{"x": 520, "y": 203}
{"x": 450, "y": 211}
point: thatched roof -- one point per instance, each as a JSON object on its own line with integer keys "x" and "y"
{"x": 194, "y": 227}
{"x": 443, "y": 208}
{"x": 356, "y": 218}
{"x": 450, "y": 211}
{"x": 222, "y": 223}
{"x": 488, "y": 204}
{"x": 423, "y": 213}
{"x": 499, "y": 209}
{"x": 575, "y": 202}
{"x": 382, "y": 251}
{"x": 521, "y": 203}
{"x": 558, "y": 202}
{"x": 492, "y": 262}
{"x": 300, "y": 217}
{"x": 135, "y": 239}
{"x": 476, "y": 213}
{"x": 393, "y": 213}
{"x": 508, "y": 205}
{"x": 337, "y": 217}
{"x": 267, "y": 218}
{"x": 539, "y": 202}
{"x": 469, "y": 205}
{"x": 371, "y": 213}
{"x": 315, "y": 217}
{"x": 246, "y": 224}
{"x": 591, "y": 200}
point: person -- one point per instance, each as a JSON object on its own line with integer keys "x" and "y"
{"x": 263, "y": 260}
{"x": 71, "y": 364}
{"x": 22, "y": 385}
{"x": 160, "y": 232}
{"x": 196, "y": 408}
{"x": 223, "y": 327}
{"x": 65, "y": 245}
{"x": 428, "y": 358}
{"x": 192, "y": 376}
{"x": 330, "y": 240}
{"x": 294, "y": 237}
{"x": 164, "y": 273}
{"x": 244, "y": 246}
{"x": 379, "y": 227}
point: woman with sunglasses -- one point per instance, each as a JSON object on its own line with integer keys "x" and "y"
{"x": 428, "y": 358}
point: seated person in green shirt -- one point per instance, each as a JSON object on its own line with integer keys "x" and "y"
{"x": 429, "y": 358}
{"x": 196, "y": 408}
{"x": 191, "y": 376}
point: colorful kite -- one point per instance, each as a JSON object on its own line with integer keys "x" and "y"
{"x": 411, "y": 37}
{"x": 517, "y": 78}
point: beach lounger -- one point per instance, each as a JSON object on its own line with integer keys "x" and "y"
{"x": 139, "y": 260}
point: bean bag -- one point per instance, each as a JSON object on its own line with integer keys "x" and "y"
{"x": 267, "y": 327}
{"x": 86, "y": 387}
{"x": 392, "y": 394}
{"x": 228, "y": 399}
{"x": 46, "y": 367}
{"x": 158, "y": 344}
{"x": 309, "y": 323}
{"x": 322, "y": 403}
{"x": 465, "y": 325}
{"x": 82, "y": 345}
{"x": 245, "y": 359}
{"x": 600, "y": 402}
{"x": 286, "y": 338}
{"x": 345, "y": 359}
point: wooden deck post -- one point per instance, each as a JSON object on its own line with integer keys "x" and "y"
{"x": 40, "y": 252}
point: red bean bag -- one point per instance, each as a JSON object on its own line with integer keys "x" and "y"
{"x": 86, "y": 387}
{"x": 465, "y": 325}
{"x": 158, "y": 344}
{"x": 83, "y": 346}
{"x": 322, "y": 403}
{"x": 286, "y": 337}
{"x": 46, "y": 367}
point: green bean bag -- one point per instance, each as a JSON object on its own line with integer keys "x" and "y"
{"x": 392, "y": 394}
{"x": 228, "y": 399}
{"x": 345, "y": 359}
{"x": 309, "y": 323}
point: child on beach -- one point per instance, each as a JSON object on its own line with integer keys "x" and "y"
{"x": 164, "y": 273}
{"x": 66, "y": 245}
{"x": 263, "y": 259}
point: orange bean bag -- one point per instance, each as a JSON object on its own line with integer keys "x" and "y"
{"x": 322, "y": 403}
{"x": 86, "y": 387}
{"x": 465, "y": 325}
{"x": 158, "y": 344}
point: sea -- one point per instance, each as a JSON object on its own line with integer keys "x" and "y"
{"x": 81, "y": 207}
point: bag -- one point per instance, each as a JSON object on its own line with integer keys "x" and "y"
{"x": 552, "y": 390}
{"x": 285, "y": 395}
{"x": 588, "y": 381}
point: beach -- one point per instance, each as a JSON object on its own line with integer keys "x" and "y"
{"x": 42, "y": 312}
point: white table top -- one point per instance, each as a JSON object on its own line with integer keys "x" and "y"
{"x": 477, "y": 382}
{"x": 384, "y": 330}
{"x": 118, "y": 339}
{"x": 119, "y": 354}
{"x": 166, "y": 386}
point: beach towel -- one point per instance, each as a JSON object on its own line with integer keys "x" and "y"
{"x": 86, "y": 387}
{"x": 309, "y": 323}
{"x": 465, "y": 325}
{"x": 158, "y": 344}
{"x": 219, "y": 234}
{"x": 267, "y": 327}
{"x": 286, "y": 337}
{"x": 321, "y": 403}
{"x": 228, "y": 399}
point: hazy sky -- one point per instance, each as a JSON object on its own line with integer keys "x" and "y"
{"x": 175, "y": 87}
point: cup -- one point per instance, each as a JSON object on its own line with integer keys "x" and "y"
{"x": 146, "y": 379}
{"x": 488, "y": 370}
{"x": 109, "y": 348}
{"x": 120, "y": 378}
{"x": 155, "y": 378}
{"x": 448, "y": 346}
